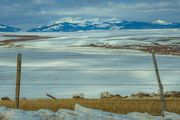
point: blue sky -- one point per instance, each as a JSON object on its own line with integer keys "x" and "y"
{"x": 30, "y": 13}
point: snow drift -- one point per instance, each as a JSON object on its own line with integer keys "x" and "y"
{"x": 80, "y": 113}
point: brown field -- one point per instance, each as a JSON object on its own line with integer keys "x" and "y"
{"x": 115, "y": 105}
{"x": 20, "y": 38}
{"x": 159, "y": 49}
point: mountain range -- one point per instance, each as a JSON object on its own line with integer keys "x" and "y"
{"x": 5, "y": 28}
{"x": 69, "y": 24}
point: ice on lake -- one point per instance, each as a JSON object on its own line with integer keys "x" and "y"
{"x": 57, "y": 67}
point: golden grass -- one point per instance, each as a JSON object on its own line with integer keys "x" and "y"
{"x": 115, "y": 105}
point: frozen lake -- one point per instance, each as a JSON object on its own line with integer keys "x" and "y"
{"x": 53, "y": 66}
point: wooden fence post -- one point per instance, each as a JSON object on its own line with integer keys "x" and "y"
{"x": 18, "y": 78}
{"x": 163, "y": 104}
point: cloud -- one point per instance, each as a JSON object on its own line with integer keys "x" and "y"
{"x": 38, "y": 11}
{"x": 120, "y": 10}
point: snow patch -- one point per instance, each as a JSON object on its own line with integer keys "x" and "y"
{"x": 162, "y": 22}
{"x": 80, "y": 113}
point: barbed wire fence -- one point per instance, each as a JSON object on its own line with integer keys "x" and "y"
{"x": 159, "y": 84}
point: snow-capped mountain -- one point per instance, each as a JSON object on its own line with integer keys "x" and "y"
{"x": 162, "y": 22}
{"x": 70, "y": 24}
{"x": 5, "y": 28}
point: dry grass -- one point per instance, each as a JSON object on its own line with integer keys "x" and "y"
{"x": 115, "y": 105}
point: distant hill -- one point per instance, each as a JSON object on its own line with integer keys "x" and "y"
{"x": 70, "y": 24}
{"x": 5, "y": 28}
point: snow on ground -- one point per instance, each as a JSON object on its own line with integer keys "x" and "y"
{"x": 113, "y": 37}
{"x": 80, "y": 113}
{"x": 126, "y": 37}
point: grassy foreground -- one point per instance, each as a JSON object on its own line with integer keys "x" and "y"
{"x": 115, "y": 105}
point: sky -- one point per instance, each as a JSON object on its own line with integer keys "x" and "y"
{"x": 27, "y": 14}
